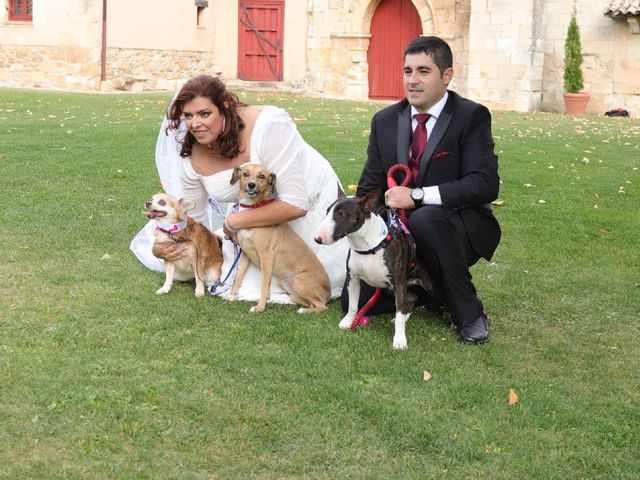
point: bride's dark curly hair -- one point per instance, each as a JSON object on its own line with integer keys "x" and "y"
{"x": 212, "y": 88}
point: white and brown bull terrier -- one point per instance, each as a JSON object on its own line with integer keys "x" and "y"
{"x": 381, "y": 255}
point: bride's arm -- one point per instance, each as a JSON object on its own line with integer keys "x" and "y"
{"x": 194, "y": 190}
{"x": 265, "y": 216}
{"x": 280, "y": 149}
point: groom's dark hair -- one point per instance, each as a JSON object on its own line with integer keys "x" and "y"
{"x": 438, "y": 49}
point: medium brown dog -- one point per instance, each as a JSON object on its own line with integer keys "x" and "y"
{"x": 202, "y": 259}
{"x": 277, "y": 250}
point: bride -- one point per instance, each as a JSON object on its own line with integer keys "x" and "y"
{"x": 206, "y": 133}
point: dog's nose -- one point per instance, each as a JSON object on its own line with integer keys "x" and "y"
{"x": 251, "y": 185}
{"x": 318, "y": 240}
{"x": 147, "y": 204}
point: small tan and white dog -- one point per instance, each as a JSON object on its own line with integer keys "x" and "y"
{"x": 277, "y": 250}
{"x": 202, "y": 259}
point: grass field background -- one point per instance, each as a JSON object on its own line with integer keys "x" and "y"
{"x": 102, "y": 378}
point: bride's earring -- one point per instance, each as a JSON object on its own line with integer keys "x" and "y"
{"x": 224, "y": 121}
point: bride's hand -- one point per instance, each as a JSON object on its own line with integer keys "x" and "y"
{"x": 229, "y": 232}
{"x": 170, "y": 251}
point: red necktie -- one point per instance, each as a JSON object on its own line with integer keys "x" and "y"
{"x": 418, "y": 143}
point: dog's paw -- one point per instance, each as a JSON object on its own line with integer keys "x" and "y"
{"x": 162, "y": 290}
{"x": 200, "y": 293}
{"x": 346, "y": 322}
{"x": 256, "y": 309}
{"x": 399, "y": 342}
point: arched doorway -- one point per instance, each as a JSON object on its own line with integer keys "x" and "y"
{"x": 393, "y": 25}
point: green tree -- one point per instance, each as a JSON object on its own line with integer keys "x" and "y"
{"x": 573, "y": 79}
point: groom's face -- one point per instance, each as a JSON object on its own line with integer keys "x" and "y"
{"x": 423, "y": 82}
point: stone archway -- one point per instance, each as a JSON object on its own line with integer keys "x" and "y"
{"x": 427, "y": 24}
{"x": 339, "y": 39}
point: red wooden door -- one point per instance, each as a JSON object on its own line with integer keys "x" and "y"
{"x": 394, "y": 24}
{"x": 260, "y": 39}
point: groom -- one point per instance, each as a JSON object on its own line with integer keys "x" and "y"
{"x": 451, "y": 152}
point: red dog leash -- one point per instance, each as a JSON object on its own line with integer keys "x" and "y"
{"x": 391, "y": 182}
{"x": 361, "y": 318}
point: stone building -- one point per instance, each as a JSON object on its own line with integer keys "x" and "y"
{"x": 508, "y": 53}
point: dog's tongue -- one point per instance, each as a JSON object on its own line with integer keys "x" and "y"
{"x": 154, "y": 214}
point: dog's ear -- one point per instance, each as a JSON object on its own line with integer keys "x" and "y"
{"x": 370, "y": 200}
{"x": 341, "y": 193}
{"x": 235, "y": 175}
{"x": 186, "y": 204}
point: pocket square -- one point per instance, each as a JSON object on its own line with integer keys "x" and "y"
{"x": 443, "y": 155}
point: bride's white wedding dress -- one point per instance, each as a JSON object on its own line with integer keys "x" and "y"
{"x": 304, "y": 178}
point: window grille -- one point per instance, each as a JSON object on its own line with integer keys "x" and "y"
{"x": 21, "y": 10}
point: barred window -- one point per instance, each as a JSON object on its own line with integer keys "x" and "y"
{"x": 21, "y": 10}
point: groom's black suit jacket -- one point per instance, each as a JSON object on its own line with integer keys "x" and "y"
{"x": 459, "y": 158}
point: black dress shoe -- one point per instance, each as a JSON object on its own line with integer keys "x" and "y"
{"x": 476, "y": 332}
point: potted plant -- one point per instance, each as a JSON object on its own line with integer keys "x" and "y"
{"x": 575, "y": 100}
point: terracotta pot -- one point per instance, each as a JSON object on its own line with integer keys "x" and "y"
{"x": 576, "y": 103}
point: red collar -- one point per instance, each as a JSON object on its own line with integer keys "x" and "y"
{"x": 259, "y": 204}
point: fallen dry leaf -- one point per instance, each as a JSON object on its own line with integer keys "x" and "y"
{"x": 352, "y": 188}
{"x": 497, "y": 202}
{"x": 426, "y": 376}
{"x": 513, "y": 397}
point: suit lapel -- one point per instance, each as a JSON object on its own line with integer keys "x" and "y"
{"x": 403, "y": 135}
{"x": 434, "y": 139}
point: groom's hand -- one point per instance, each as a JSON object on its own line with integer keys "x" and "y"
{"x": 398, "y": 197}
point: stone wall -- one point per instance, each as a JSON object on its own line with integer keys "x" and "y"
{"x": 505, "y": 61}
{"x": 77, "y": 68}
{"x": 339, "y": 33}
{"x": 508, "y": 54}
{"x": 450, "y": 21}
{"x": 138, "y": 69}
{"x": 72, "y": 68}
{"x": 611, "y": 55}
{"x": 516, "y": 55}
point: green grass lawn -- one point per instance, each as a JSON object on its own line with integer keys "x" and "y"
{"x": 102, "y": 378}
